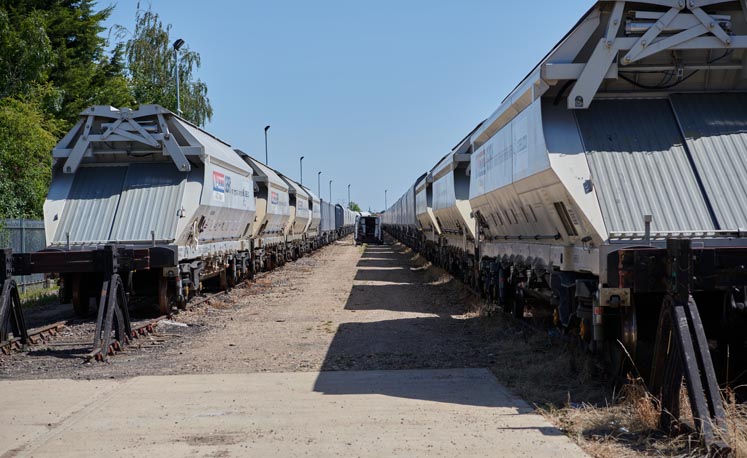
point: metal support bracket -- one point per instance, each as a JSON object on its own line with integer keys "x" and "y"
{"x": 80, "y": 148}
{"x": 172, "y": 148}
{"x": 599, "y": 64}
{"x": 113, "y": 315}
{"x": 681, "y": 351}
{"x": 711, "y": 25}
{"x": 11, "y": 315}
{"x": 123, "y": 126}
{"x": 648, "y": 38}
{"x": 705, "y": 33}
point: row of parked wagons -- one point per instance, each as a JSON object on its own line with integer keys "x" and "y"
{"x": 148, "y": 178}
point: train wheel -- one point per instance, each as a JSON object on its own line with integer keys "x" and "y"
{"x": 164, "y": 296}
{"x": 732, "y": 353}
{"x": 80, "y": 296}
{"x": 620, "y": 354}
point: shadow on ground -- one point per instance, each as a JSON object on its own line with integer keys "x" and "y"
{"x": 432, "y": 329}
{"x": 474, "y": 387}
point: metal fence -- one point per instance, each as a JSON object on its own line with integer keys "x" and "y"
{"x": 24, "y": 235}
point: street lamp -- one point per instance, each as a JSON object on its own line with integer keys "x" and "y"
{"x": 386, "y": 207}
{"x": 177, "y": 45}
{"x": 330, "y": 191}
{"x": 319, "y": 184}
{"x": 301, "y": 162}
{"x": 267, "y": 162}
{"x": 349, "y": 198}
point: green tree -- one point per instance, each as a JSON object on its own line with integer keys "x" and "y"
{"x": 25, "y": 54}
{"x": 352, "y": 206}
{"x": 53, "y": 64}
{"x": 26, "y": 139}
{"x": 151, "y": 61}
{"x": 78, "y": 67}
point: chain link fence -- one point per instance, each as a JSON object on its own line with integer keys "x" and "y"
{"x": 23, "y": 236}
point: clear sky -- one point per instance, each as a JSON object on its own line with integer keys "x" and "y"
{"x": 372, "y": 93}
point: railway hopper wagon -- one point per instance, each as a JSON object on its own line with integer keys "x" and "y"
{"x": 608, "y": 185}
{"x": 400, "y": 218}
{"x": 327, "y": 227}
{"x": 344, "y": 220}
{"x": 272, "y": 202}
{"x": 313, "y": 231}
{"x": 144, "y": 203}
{"x": 151, "y": 181}
{"x": 296, "y": 241}
{"x": 431, "y": 231}
{"x": 339, "y": 218}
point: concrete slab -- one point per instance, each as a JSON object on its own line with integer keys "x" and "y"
{"x": 35, "y": 408}
{"x": 459, "y": 412}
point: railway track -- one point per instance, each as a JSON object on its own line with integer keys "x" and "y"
{"x": 47, "y": 333}
{"x": 36, "y": 336}
{"x": 110, "y": 336}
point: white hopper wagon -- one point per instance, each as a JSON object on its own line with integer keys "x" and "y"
{"x": 143, "y": 203}
{"x": 623, "y": 151}
{"x": 426, "y": 219}
{"x": 148, "y": 178}
{"x": 272, "y": 215}
{"x": 313, "y": 232}
{"x": 299, "y": 220}
{"x": 327, "y": 224}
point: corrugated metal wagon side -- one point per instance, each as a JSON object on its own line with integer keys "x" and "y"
{"x": 149, "y": 179}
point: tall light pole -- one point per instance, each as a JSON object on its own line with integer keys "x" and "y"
{"x": 349, "y": 198}
{"x": 386, "y": 207}
{"x": 330, "y": 191}
{"x": 177, "y": 45}
{"x": 301, "y": 162}
{"x": 267, "y": 162}
{"x": 319, "y": 184}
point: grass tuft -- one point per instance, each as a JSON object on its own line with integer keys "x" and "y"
{"x": 37, "y": 297}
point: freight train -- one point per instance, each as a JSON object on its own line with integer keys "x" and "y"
{"x": 609, "y": 185}
{"x": 142, "y": 203}
{"x": 148, "y": 179}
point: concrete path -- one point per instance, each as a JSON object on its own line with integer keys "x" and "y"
{"x": 409, "y": 413}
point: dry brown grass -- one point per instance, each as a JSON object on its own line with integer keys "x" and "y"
{"x": 626, "y": 427}
{"x": 570, "y": 388}
{"x": 736, "y": 422}
{"x": 546, "y": 371}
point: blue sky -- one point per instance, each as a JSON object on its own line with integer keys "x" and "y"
{"x": 371, "y": 93}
